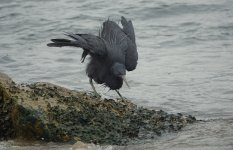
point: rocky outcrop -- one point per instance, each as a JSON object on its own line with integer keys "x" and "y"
{"x": 43, "y": 111}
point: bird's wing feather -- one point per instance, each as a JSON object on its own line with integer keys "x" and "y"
{"x": 128, "y": 28}
{"x": 131, "y": 56}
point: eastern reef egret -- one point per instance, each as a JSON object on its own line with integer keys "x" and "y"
{"x": 112, "y": 52}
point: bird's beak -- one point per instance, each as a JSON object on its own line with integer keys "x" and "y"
{"x": 124, "y": 79}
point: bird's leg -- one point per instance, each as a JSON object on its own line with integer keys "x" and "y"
{"x": 119, "y": 94}
{"x": 93, "y": 87}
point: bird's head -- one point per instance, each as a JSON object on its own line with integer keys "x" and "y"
{"x": 119, "y": 70}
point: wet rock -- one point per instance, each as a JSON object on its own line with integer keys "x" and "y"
{"x": 43, "y": 111}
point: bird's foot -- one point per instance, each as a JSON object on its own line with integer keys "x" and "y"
{"x": 122, "y": 98}
{"x": 96, "y": 95}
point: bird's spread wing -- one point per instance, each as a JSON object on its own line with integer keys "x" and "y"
{"x": 131, "y": 56}
{"x": 123, "y": 39}
{"x": 112, "y": 33}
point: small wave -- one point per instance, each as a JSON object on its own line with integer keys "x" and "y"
{"x": 190, "y": 24}
{"x": 176, "y": 9}
{"x": 6, "y": 59}
{"x": 7, "y": 6}
{"x": 66, "y": 60}
{"x": 10, "y": 15}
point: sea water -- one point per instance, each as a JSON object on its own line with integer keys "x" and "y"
{"x": 185, "y": 60}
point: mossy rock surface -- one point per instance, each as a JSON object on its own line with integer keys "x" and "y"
{"x": 44, "y": 111}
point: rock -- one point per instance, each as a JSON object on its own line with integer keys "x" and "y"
{"x": 44, "y": 111}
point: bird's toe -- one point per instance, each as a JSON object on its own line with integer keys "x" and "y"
{"x": 96, "y": 95}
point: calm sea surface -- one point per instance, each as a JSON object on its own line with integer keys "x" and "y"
{"x": 185, "y": 60}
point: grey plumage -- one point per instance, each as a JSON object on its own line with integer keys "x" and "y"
{"x": 112, "y": 52}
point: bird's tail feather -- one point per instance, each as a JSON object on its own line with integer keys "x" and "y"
{"x": 60, "y": 40}
{"x": 61, "y": 43}
{"x": 77, "y": 41}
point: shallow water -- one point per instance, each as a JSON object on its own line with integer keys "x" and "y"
{"x": 185, "y": 58}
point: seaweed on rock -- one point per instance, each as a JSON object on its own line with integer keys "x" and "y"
{"x": 53, "y": 113}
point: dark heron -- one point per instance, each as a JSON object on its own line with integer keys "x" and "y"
{"x": 112, "y": 53}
